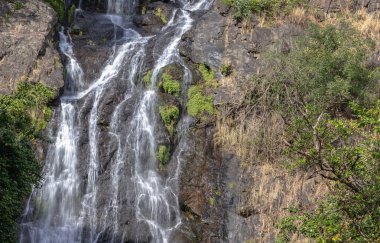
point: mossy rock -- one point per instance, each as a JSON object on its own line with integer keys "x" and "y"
{"x": 162, "y": 10}
{"x": 175, "y": 70}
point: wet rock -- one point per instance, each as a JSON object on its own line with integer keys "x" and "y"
{"x": 149, "y": 22}
{"x": 26, "y": 44}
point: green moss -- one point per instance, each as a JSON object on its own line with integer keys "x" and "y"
{"x": 208, "y": 74}
{"x": 170, "y": 85}
{"x": 147, "y": 78}
{"x": 161, "y": 15}
{"x": 169, "y": 115}
{"x": 199, "y": 104}
{"x": 163, "y": 155}
{"x": 59, "y": 8}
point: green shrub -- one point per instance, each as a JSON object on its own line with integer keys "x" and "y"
{"x": 170, "y": 85}
{"x": 198, "y": 104}
{"x": 163, "y": 155}
{"x": 59, "y": 8}
{"x": 22, "y": 117}
{"x": 169, "y": 115}
{"x": 323, "y": 91}
{"x": 208, "y": 75}
{"x": 244, "y": 8}
{"x": 226, "y": 70}
{"x": 71, "y": 14}
{"x": 147, "y": 78}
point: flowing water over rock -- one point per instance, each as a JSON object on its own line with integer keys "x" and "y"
{"x": 102, "y": 181}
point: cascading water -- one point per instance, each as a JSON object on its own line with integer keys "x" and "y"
{"x": 71, "y": 205}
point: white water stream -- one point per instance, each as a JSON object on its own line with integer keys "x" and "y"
{"x": 66, "y": 206}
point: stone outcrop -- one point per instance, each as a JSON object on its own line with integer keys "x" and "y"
{"x": 28, "y": 45}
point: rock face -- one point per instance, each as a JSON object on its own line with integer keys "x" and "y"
{"x": 224, "y": 199}
{"x": 27, "y": 46}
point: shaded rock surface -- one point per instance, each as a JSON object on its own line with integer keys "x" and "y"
{"x": 27, "y": 46}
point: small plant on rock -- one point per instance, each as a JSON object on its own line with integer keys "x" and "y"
{"x": 170, "y": 85}
{"x": 169, "y": 115}
{"x": 208, "y": 75}
{"x": 226, "y": 70}
{"x": 199, "y": 104}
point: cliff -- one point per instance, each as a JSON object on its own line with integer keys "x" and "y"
{"x": 29, "y": 45}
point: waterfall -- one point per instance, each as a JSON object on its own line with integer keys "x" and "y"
{"x": 73, "y": 203}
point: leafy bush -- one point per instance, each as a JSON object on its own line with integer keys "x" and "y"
{"x": 71, "y": 14}
{"x": 244, "y": 8}
{"x": 199, "y": 104}
{"x": 170, "y": 85}
{"x": 169, "y": 115}
{"x": 208, "y": 75}
{"x": 22, "y": 117}
{"x": 323, "y": 92}
{"x": 59, "y": 7}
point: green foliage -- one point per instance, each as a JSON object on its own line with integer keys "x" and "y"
{"x": 212, "y": 201}
{"x": 59, "y": 8}
{"x": 170, "y": 85}
{"x": 244, "y": 8}
{"x": 323, "y": 92}
{"x": 198, "y": 104}
{"x": 226, "y": 70}
{"x": 159, "y": 13}
{"x": 71, "y": 13}
{"x": 208, "y": 75}
{"x": 143, "y": 10}
{"x": 19, "y": 5}
{"x": 169, "y": 115}
{"x": 163, "y": 155}
{"x": 147, "y": 78}
{"x": 22, "y": 116}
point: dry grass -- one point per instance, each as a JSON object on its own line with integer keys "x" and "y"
{"x": 275, "y": 190}
{"x": 367, "y": 23}
{"x": 252, "y": 137}
{"x": 300, "y": 16}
